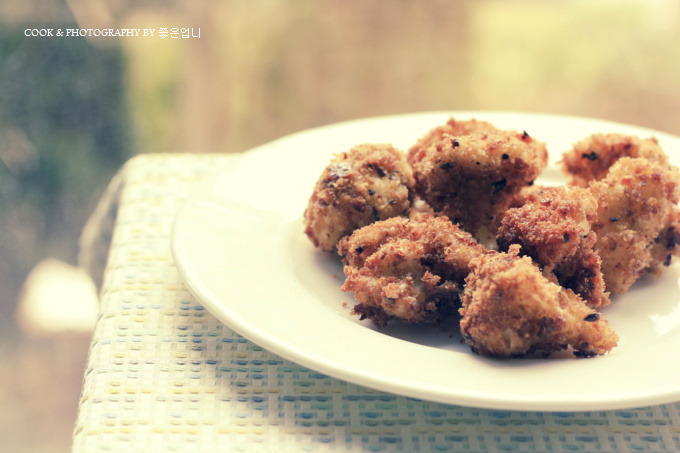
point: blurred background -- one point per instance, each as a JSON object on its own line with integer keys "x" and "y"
{"x": 74, "y": 109}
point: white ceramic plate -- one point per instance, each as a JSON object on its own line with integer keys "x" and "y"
{"x": 239, "y": 245}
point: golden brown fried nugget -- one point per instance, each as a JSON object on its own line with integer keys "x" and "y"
{"x": 590, "y": 159}
{"x": 454, "y": 128}
{"x": 407, "y": 268}
{"x": 553, "y": 228}
{"x": 473, "y": 179}
{"x": 511, "y": 310}
{"x": 637, "y": 219}
{"x": 369, "y": 183}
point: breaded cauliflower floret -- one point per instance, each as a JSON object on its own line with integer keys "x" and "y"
{"x": 511, "y": 310}
{"x": 410, "y": 269}
{"x": 590, "y": 159}
{"x": 369, "y": 183}
{"x": 472, "y": 179}
{"x": 637, "y": 219}
{"x": 454, "y": 128}
{"x": 553, "y": 228}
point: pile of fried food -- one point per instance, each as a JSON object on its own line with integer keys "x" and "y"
{"x": 456, "y": 227}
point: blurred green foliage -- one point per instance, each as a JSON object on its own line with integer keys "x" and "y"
{"x": 63, "y": 133}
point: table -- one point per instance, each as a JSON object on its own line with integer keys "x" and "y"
{"x": 164, "y": 375}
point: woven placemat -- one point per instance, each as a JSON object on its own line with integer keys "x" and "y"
{"x": 164, "y": 375}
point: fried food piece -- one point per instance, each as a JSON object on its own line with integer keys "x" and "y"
{"x": 454, "y": 128}
{"x": 553, "y": 229}
{"x": 667, "y": 243}
{"x": 591, "y": 158}
{"x": 369, "y": 183}
{"x": 511, "y": 310}
{"x": 472, "y": 179}
{"x": 636, "y": 220}
{"x": 407, "y": 268}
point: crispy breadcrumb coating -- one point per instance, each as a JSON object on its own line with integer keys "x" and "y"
{"x": 511, "y": 310}
{"x": 590, "y": 159}
{"x": 472, "y": 179}
{"x": 667, "y": 243}
{"x": 369, "y": 183}
{"x": 405, "y": 225}
{"x": 454, "y": 128}
{"x": 407, "y": 268}
{"x": 637, "y": 219}
{"x": 553, "y": 228}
